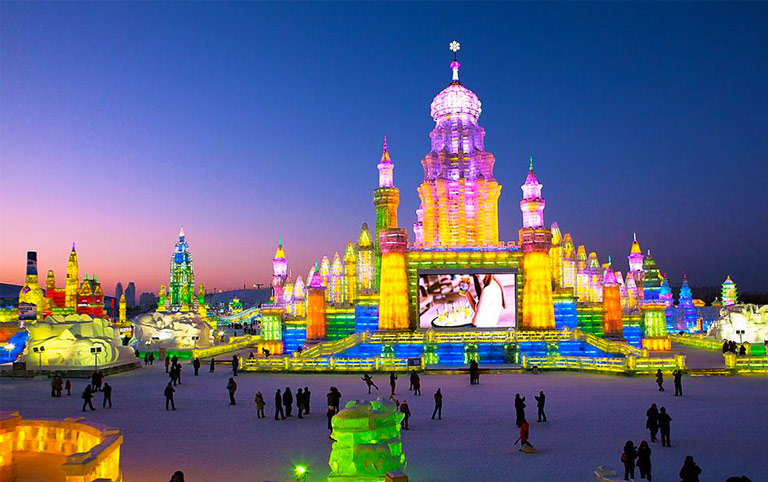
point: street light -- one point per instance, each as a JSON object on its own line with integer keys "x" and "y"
{"x": 195, "y": 338}
{"x": 95, "y": 350}
{"x": 39, "y": 350}
{"x": 740, "y": 333}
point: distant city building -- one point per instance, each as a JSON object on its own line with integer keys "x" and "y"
{"x": 119, "y": 290}
{"x": 130, "y": 295}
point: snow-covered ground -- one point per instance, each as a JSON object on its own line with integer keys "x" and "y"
{"x": 722, "y": 422}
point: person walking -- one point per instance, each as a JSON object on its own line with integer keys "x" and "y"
{"x": 68, "y": 386}
{"x": 172, "y": 375}
{"x": 288, "y": 401}
{"x": 167, "y": 363}
{"x": 644, "y": 460}
{"x": 107, "y": 390}
{"x": 213, "y": 366}
{"x": 174, "y": 360}
{"x": 392, "y": 383}
{"x": 235, "y": 364}
{"x": 336, "y": 399}
{"x": 279, "y": 406}
{"x": 405, "y": 410}
{"x": 232, "y": 388}
{"x": 411, "y": 377}
{"x": 519, "y": 409}
{"x": 678, "y": 375}
{"x": 307, "y": 394}
{"x": 628, "y": 457}
{"x": 146, "y": 358}
{"x": 151, "y": 358}
{"x": 540, "y": 400}
{"x": 94, "y": 381}
{"x": 369, "y": 382}
{"x": 664, "y": 420}
{"x": 417, "y": 385}
{"x": 87, "y": 398}
{"x": 53, "y": 386}
{"x": 300, "y": 402}
{"x": 660, "y": 380}
{"x": 196, "y": 365}
{"x": 259, "y": 401}
{"x": 652, "y": 421}
{"x": 169, "y": 396}
{"x": 525, "y": 432}
{"x": 178, "y": 373}
{"x": 690, "y": 471}
{"x": 438, "y": 405}
{"x": 474, "y": 372}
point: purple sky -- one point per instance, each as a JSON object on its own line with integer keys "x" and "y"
{"x": 244, "y": 122}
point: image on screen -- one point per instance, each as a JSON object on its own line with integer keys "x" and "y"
{"x": 467, "y": 300}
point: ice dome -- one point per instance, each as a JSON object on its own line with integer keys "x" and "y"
{"x": 455, "y": 100}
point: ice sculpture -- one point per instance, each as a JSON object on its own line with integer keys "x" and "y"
{"x": 172, "y": 331}
{"x": 367, "y": 441}
{"x": 67, "y": 341}
{"x": 752, "y": 319}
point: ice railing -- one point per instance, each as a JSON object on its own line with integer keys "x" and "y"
{"x": 629, "y": 363}
{"x": 330, "y": 363}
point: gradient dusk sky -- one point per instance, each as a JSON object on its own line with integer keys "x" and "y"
{"x": 248, "y": 121}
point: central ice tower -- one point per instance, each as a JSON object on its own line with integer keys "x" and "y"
{"x": 459, "y": 195}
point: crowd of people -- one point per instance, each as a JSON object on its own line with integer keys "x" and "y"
{"x": 730, "y": 346}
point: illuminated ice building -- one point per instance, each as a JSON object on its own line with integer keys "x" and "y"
{"x": 392, "y": 296}
{"x": 180, "y": 295}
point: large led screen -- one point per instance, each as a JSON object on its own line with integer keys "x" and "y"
{"x": 467, "y": 300}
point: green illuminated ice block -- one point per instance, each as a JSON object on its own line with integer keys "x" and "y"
{"x": 367, "y": 442}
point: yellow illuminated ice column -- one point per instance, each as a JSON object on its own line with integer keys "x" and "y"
{"x": 316, "y": 308}
{"x": 632, "y": 292}
{"x": 385, "y": 199}
{"x": 325, "y": 276}
{"x": 536, "y": 242}
{"x": 582, "y": 278}
{"x": 611, "y": 305}
{"x": 161, "y": 298}
{"x": 72, "y": 282}
{"x": 279, "y": 271}
{"x": 50, "y": 289}
{"x": 31, "y": 293}
{"x": 122, "y": 319}
{"x": 459, "y": 195}
{"x": 636, "y": 260}
{"x": 350, "y": 274}
{"x": 201, "y": 309}
{"x": 298, "y": 307}
{"x": 393, "y": 289}
{"x": 364, "y": 256}
{"x": 595, "y": 274}
{"x": 569, "y": 263}
{"x": 184, "y": 299}
{"x": 556, "y": 256}
{"x": 337, "y": 274}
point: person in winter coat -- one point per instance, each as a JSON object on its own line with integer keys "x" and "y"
{"x": 660, "y": 380}
{"x": 652, "y": 421}
{"x": 279, "y": 406}
{"x": 235, "y": 364}
{"x": 329, "y": 414}
{"x": 336, "y": 399}
{"x": 417, "y": 385}
{"x": 232, "y": 388}
{"x": 678, "y": 374}
{"x": 519, "y": 409}
{"x": 438, "y": 405}
{"x": 690, "y": 471}
{"x": 167, "y": 363}
{"x": 474, "y": 372}
{"x": 540, "y": 400}
{"x": 68, "y": 386}
{"x": 307, "y": 395}
{"x": 178, "y": 373}
{"x": 213, "y": 365}
{"x": 196, "y": 365}
{"x": 87, "y": 398}
{"x": 392, "y": 383}
{"x": 525, "y": 430}
{"x": 410, "y": 378}
{"x": 742, "y": 350}
{"x": 644, "y": 460}
{"x": 300, "y": 402}
{"x": 288, "y": 401}
{"x": 628, "y": 457}
{"x": 259, "y": 401}
{"x": 169, "y": 396}
{"x": 107, "y": 395}
{"x": 405, "y": 410}
{"x": 664, "y": 420}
